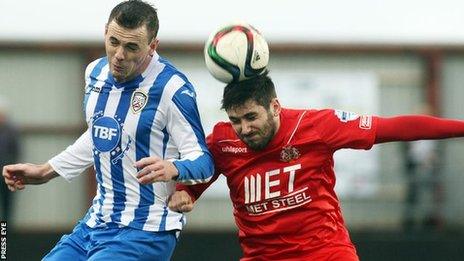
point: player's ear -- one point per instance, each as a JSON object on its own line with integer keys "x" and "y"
{"x": 275, "y": 107}
{"x": 153, "y": 45}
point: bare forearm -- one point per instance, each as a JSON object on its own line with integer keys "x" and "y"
{"x": 48, "y": 173}
{"x": 17, "y": 176}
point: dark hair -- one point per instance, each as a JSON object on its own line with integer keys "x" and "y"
{"x": 259, "y": 89}
{"x": 132, "y": 14}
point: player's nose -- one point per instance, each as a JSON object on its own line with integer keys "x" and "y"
{"x": 245, "y": 128}
{"x": 119, "y": 55}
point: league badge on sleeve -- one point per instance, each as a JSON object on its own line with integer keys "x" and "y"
{"x": 289, "y": 153}
{"x": 138, "y": 101}
{"x": 345, "y": 116}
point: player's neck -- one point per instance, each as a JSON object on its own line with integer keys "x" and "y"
{"x": 277, "y": 125}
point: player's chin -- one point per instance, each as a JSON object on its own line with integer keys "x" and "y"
{"x": 251, "y": 138}
{"x": 255, "y": 145}
{"x": 119, "y": 75}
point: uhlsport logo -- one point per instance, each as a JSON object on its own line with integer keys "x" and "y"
{"x": 234, "y": 150}
{"x": 106, "y": 133}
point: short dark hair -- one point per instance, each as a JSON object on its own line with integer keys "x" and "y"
{"x": 259, "y": 89}
{"x": 132, "y": 14}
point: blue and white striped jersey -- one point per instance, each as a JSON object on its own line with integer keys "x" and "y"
{"x": 154, "y": 114}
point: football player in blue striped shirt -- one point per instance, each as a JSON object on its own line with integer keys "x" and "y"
{"x": 144, "y": 126}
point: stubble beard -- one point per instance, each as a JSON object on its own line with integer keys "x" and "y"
{"x": 266, "y": 133}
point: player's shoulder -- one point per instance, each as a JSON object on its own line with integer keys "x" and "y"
{"x": 96, "y": 64}
{"x": 224, "y": 140}
{"x": 291, "y": 113}
{"x": 317, "y": 115}
{"x": 314, "y": 118}
{"x": 171, "y": 70}
{"x": 102, "y": 61}
{"x": 301, "y": 116}
{"x": 296, "y": 113}
{"x": 334, "y": 117}
{"x": 177, "y": 82}
{"x": 223, "y": 131}
{"x": 321, "y": 112}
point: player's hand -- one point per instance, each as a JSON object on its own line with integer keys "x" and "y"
{"x": 154, "y": 169}
{"x": 180, "y": 201}
{"x": 17, "y": 176}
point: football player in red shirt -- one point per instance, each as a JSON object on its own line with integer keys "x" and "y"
{"x": 280, "y": 169}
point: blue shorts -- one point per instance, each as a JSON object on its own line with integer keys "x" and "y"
{"x": 126, "y": 243}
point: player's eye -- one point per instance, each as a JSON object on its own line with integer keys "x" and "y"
{"x": 132, "y": 47}
{"x": 251, "y": 117}
{"x": 235, "y": 121}
{"x": 113, "y": 41}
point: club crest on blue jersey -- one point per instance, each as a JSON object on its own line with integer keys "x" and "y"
{"x": 106, "y": 133}
{"x": 138, "y": 101}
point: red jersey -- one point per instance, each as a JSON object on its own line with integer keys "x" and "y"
{"x": 283, "y": 196}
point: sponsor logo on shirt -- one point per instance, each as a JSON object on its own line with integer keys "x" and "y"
{"x": 346, "y": 116}
{"x": 289, "y": 201}
{"x": 138, "y": 101}
{"x": 189, "y": 93}
{"x": 365, "y": 122}
{"x": 106, "y": 133}
{"x": 262, "y": 194}
{"x": 234, "y": 150}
